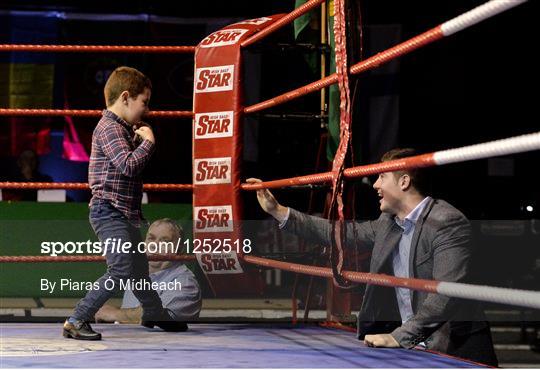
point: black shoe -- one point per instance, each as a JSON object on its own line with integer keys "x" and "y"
{"x": 80, "y": 330}
{"x": 165, "y": 322}
{"x": 170, "y": 326}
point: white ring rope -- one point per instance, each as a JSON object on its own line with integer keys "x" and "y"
{"x": 513, "y": 145}
{"x": 516, "y": 297}
{"x": 477, "y": 15}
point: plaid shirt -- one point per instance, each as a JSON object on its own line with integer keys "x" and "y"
{"x": 116, "y": 164}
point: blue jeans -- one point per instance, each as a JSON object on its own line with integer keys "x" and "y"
{"x": 108, "y": 222}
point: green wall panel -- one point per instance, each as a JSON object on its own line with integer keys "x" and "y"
{"x": 25, "y": 225}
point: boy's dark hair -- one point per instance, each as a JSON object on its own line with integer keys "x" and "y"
{"x": 419, "y": 176}
{"x": 125, "y": 79}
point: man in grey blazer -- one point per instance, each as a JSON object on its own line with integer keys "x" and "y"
{"x": 415, "y": 236}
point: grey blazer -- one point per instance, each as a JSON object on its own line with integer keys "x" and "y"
{"x": 440, "y": 250}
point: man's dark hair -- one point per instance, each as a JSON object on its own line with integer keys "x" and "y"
{"x": 420, "y": 178}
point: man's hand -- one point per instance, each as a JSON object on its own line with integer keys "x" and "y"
{"x": 268, "y": 202}
{"x": 145, "y": 131}
{"x": 107, "y": 313}
{"x": 381, "y": 340}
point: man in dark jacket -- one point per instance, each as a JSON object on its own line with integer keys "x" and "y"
{"x": 416, "y": 236}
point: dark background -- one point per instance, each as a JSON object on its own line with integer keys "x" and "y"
{"x": 475, "y": 86}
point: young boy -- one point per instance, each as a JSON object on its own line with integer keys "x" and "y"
{"x": 121, "y": 147}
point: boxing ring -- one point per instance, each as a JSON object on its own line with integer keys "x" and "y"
{"x": 208, "y": 346}
{"x": 217, "y": 97}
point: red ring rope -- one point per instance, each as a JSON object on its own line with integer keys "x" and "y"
{"x": 467, "y": 19}
{"x": 45, "y": 259}
{"x": 84, "y": 186}
{"x": 98, "y": 48}
{"x": 85, "y": 113}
